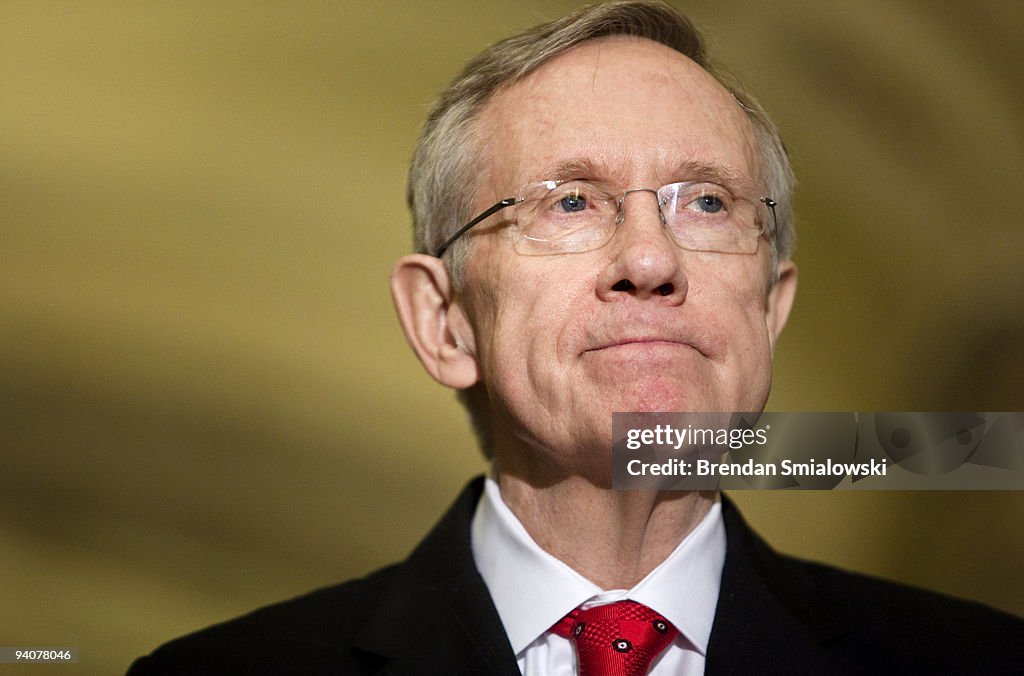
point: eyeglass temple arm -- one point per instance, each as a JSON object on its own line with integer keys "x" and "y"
{"x": 770, "y": 203}
{"x": 507, "y": 202}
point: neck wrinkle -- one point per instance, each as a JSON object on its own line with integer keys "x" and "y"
{"x": 612, "y": 538}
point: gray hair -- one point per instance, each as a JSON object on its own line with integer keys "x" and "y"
{"x": 441, "y": 185}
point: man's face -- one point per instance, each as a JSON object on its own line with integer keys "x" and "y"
{"x": 640, "y": 324}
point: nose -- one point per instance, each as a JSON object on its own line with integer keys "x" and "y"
{"x": 644, "y": 262}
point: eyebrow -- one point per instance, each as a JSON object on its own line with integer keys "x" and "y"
{"x": 577, "y": 167}
{"x": 713, "y": 173}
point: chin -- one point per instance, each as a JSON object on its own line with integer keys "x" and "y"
{"x": 662, "y": 395}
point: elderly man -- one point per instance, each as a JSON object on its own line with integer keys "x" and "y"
{"x": 603, "y": 223}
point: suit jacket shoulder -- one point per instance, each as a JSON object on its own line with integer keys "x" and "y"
{"x": 432, "y": 614}
{"x": 778, "y": 614}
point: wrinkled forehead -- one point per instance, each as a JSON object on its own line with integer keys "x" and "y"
{"x": 629, "y": 107}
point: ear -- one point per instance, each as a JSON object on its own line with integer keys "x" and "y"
{"x": 434, "y": 325}
{"x": 780, "y": 300}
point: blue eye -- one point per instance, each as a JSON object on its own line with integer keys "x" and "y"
{"x": 709, "y": 204}
{"x": 573, "y": 202}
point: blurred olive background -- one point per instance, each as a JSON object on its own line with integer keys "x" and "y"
{"x": 206, "y": 404}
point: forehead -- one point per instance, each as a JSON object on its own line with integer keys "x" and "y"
{"x": 633, "y": 109}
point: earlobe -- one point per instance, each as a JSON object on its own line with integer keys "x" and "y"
{"x": 780, "y": 300}
{"x": 433, "y": 324}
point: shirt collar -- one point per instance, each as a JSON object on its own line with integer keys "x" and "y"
{"x": 532, "y": 589}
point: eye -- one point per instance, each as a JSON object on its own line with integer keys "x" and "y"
{"x": 572, "y": 202}
{"x": 710, "y": 204}
{"x": 703, "y": 201}
{"x": 564, "y": 206}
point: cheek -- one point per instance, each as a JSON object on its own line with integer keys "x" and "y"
{"x": 525, "y": 357}
{"x": 734, "y": 303}
{"x": 746, "y": 285}
{"x": 517, "y": 320}
{"x": 752, "y": 342}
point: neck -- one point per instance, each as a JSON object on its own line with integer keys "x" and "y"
{"x": 619, "y": 537}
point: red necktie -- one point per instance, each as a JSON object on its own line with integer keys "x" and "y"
{"x": 618, "y": 639}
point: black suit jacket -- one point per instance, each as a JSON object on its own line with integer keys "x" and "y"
{"x": 432, "y": 614}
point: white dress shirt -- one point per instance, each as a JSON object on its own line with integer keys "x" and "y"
{"x": 532, "y": 590}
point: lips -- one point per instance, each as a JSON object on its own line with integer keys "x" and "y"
{"x": 633, "y": 341}
{"x": 640, "y": 342}
{"x": 639, "y": 329}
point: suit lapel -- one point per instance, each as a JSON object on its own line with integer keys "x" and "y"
{"x": 767, "y": 621}
{"x": 436, "y": 615}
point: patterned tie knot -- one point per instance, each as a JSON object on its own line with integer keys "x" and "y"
{"x": 620, "y": 639}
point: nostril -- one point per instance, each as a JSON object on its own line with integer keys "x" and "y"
{"x": 623, "y": 285}
{"x": 665, "y": 289}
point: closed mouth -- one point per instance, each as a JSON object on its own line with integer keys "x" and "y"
{"x": 654, "y": 342}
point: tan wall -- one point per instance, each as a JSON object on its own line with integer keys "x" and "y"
{"x": 205, "y": 403}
